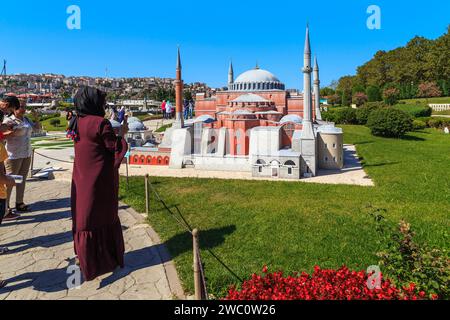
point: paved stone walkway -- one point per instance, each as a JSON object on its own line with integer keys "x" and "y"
{"x": 42, "y": 250}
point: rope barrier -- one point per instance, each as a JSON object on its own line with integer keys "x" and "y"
{"x": 54, "y": 159}
{"x": 186, "y": 225}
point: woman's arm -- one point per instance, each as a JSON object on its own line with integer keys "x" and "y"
{"x": 113, "y": 143}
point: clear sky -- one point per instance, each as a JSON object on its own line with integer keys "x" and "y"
{"x": 139, "y": 38}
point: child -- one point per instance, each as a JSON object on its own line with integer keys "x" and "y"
{"x": 4, "y": 181}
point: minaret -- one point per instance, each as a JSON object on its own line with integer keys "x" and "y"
{"x": 308, "y": 143}
{"x": 230, "y": 76}
{"x": 317, "y": 90}
{"x": 307, "y": 100}
{"x": 179, "y": 121}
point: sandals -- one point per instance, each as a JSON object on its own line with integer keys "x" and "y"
{"x": 3, "y": 250}
{"x": 3, "y": 283}
{"x": 22, "y": 207}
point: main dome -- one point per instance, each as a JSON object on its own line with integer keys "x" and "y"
{"x": 256, "y": 75}
{"x": 256, "y": 80}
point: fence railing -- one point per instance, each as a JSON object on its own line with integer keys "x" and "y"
{"x": 439, "y": 106}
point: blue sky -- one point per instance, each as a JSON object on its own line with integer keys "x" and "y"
{"x": 139, "y": 38}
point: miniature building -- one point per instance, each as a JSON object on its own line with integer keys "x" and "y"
{"x": 256, "y": 125}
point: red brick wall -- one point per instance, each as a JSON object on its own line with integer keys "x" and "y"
{"x": 150, "y": 158}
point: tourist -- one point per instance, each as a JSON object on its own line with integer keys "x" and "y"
{"x": 121, "y": 115}
{"x": 113, "y": 115}
{"x": 4, "y": 182}
{"x": 163, "y": 109}
{"x": 69, "y": 115}
{"x": 185, "y": 109}
{"x": 96, "y": 227}
{"x": 168, "y": 110}
{"x": 191, "y": 109}
{"x": 18, "y": 146}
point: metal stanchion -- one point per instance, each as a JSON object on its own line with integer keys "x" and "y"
{"x": 32, "y": 162}
{"x": 128, "y": 182}
{"x": 147, "y": 200}
{"x": 197, "y": 278}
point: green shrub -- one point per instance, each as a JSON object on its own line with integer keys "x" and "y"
{"x": 419, "y": 124}
{"x": 344, "y": 115}
{"x": 389, "y": 122}
{"x": 362, "y": 114}
{"x": 404, "y": 261}
{"x": 55, "y": 122}
{"x": 415, "y": 111}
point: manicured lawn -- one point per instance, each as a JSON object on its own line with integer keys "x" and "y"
{"x": 48, "y": 127}
{"x": 164, "y": 128}
{"x": 429, "y": 100}
{"x": 294, "y": 225}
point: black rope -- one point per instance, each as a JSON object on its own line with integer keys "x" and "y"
{"x": 54, "y": 159}
{"x": 187, "y": 226}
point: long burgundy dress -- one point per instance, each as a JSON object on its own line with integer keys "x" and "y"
{"x": 97, "y": 232}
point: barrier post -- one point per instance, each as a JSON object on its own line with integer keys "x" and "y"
{"x": 147, "y": 200}
{"x": 32, "y": 162}
{"x": 197, "y": 276}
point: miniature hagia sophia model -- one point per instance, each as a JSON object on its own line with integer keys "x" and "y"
{"x": 256, "y": 125}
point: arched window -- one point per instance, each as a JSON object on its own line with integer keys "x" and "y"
{"x": 260, "y": 162}
{"x": 160, "y": 160}
{"x": 166, "y": 160}
{"x": 289, "y": 163}
{"x": 142, "y": 160}
{"x": 135, "y": 159}
{"x": 149, "y": 160}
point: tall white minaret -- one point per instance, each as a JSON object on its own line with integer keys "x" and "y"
{"x": 308, "y": 142}
{"x": 307, "y": 99}
{"x": 317, "y": 89}
{"x": 230, "y": 76}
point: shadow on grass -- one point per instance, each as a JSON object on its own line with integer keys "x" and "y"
{"x": 209, "y": 239}
{"x": 380, "y": 164}
{"x": 412, "y": 138}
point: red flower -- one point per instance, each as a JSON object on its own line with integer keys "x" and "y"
{"x": 322, "y": 284}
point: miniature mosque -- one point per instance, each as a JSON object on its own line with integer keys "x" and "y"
{"x": 254, "y": 125}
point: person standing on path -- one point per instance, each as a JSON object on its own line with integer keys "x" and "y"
{"x": 4, "y": 182}
{"x": 97, "y": 231}
{"x": 18, "y": 146}
{"x": 163, "y": 108}
{"x": 168, "y": 110}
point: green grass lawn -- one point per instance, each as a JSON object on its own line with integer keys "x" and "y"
{"x": 48, "y": 127}
{"x": 428, "y": 100}
{"x": 164, "y": 128}
{"x": 294, "y": 225}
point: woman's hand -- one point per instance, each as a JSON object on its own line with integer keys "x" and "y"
{"x": 10, "y": 182}
{"x": 124, "y": 129}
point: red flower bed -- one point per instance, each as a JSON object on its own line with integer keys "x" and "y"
{"x": 342, "y": 284}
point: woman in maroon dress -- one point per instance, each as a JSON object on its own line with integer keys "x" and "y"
{"x": 97, "y": 232}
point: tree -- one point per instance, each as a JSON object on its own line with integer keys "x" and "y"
{"x": 187, "y": 95}
{"x": 327, "y": 92}
{"x": 429, "y": 90}
{"x": 346, "y": 97}
{"x": 359, "y": 99}
{"x": 373, "y": 94}
{"x": 390, "y": 96}
{"x": 335, "y": 99}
